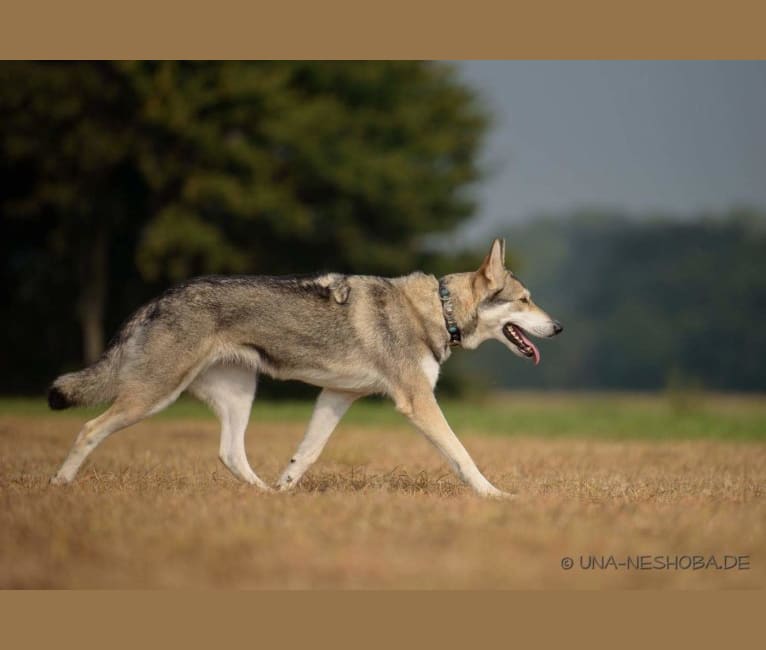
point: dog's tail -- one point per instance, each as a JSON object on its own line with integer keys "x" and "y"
{"x": 96, "y": 384}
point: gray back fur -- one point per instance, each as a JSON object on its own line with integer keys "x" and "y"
{"x": 361, "y": 333}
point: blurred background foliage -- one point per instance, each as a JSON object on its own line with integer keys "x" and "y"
{"x": 650, "y": 302}
{"x": 120, "y": 178}
{"x": 123, "y": 177}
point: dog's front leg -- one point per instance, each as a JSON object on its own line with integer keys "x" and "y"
{"x": 329, "y": 409}
{"x": 424, "y": 412}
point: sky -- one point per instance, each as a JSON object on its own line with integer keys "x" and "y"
{"x": 672, "y": 137}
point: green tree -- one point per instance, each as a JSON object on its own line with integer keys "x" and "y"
{"x": 230, "y": 167}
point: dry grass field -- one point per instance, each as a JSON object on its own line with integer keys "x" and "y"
{"x": 154, "y": 508}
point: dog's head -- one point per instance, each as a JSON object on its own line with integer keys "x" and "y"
{"x": 504, "y": 308}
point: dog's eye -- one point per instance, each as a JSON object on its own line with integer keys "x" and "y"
{"x": 525, "y": 300}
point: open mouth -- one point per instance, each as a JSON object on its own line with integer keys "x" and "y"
{"x": 517, "y": 336}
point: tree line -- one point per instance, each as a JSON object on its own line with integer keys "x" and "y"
{"x": 120, "y": 178}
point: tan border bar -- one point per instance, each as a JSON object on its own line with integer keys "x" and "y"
{"x": 373, "y": 619}
{"x": 418, "y": 29}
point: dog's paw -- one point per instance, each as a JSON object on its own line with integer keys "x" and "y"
{"x": 494, "y": 493}
{"x": 285, "y": 485}
{"x": 259, "y": 485}
{"x": 58, "y": 479}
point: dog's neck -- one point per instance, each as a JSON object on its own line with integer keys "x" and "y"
{"x": 423, "y": 293}
{"x": 464, "y": 303}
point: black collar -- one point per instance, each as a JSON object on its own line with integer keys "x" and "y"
{"x": 449, "y": 314}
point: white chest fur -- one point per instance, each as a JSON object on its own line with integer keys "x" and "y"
{"x": 431, "y": 368}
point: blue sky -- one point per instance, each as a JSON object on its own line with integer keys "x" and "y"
{"x": 676, "y": 137}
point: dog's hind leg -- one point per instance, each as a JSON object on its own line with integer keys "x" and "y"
{"x": 229, "y": 390}
{"x": 119, "y": 415}
{"x": 135, "y": 401}
{"x": 330, "y": 407}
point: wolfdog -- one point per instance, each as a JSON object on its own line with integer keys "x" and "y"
{"x": 350, "y": 335}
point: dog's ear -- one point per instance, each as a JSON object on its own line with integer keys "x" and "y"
{"x": 491, "y": 273}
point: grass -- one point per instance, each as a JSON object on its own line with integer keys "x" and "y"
{"x": 591, "y": 415}
{"x": 618, "y": 475}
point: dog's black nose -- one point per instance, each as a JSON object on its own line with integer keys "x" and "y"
{"x": 557, "y": 327}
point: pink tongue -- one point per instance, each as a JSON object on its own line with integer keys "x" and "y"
{"x": 535, "y": 351}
